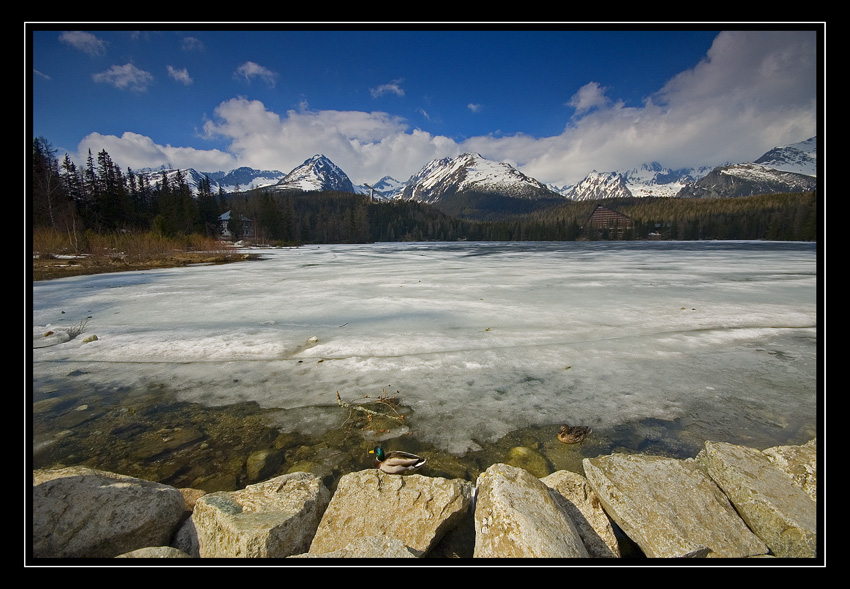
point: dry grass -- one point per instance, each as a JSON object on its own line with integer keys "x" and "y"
{"x": 55, "y": 255}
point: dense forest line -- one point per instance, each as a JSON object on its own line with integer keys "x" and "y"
{"x": 101, "y": 198}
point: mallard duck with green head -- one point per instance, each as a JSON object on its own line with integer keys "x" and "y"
{"x": 573, "y": 434}
{"x": 396, "y": 462}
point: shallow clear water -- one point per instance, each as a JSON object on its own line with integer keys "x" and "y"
{"x": 656, "y": 345}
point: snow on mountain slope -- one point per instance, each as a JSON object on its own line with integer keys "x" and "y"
{"x": 316, "y": 174}
{"x": 798, "y": 158}
{"x": 245, "y": 178}
{"x": 792, "y": 168}
{"x": 386, "y": 188}
{"x": 470, "y": 172}
{"x": 598, "y": 185}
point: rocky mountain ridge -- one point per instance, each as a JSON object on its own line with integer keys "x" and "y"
{"x": 789, "y": 168}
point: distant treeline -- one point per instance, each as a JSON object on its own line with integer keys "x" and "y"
{"x": 102, "y": 199}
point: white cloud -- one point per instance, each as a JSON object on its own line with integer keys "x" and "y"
{"x": 250, "y": 70}
{"x": 85, "y": 42}
{"x": 191, "y": 44}
{"x": 753, "y": 91}
{"x": 180, "y": 75}
{"x": 393, "y": 87}
{"x": 589, "y": 96}
{"x": 365, "y": 145}
{"x": 125, "y": 77}
{"x": 135, "y": 151}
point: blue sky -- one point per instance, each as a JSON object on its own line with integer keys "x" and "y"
{"x": 555, "y": 103}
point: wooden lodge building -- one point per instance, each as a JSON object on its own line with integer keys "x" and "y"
{"x": 606, "y": 221}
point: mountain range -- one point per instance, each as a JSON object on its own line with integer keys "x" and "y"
{"x": 791, "y": 168}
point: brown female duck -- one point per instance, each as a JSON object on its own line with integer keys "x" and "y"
{"x": 574, "y": 434}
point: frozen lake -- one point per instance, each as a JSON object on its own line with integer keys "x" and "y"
{"x": 711, "y": 340}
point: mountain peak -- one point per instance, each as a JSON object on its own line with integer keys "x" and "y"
{"x": 316, "y": 174}
{"x": 470, "y": 172}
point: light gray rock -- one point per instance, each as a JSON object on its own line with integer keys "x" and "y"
{"x": 800, "y": 463}
{"x": 777, "y": 509}
{"x": 80, "y": 512}
{"x": 367, "y": 547}
{"x": 415, "y": 509}
{"x": 155, "y": 552}
{"x": 670, "y": 508}
{"x": 274, "y": 519}
{"x": 575, "y": 496}
{"x": 186, "y": 539}
{"x": 516, "y": 517}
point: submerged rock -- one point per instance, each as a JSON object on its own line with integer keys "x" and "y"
{"x": 528, "y": 459}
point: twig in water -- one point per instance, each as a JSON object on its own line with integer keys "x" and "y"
{"x": 369, "y": 412}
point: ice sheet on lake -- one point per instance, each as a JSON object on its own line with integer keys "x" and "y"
{"x": 479, "y": 338}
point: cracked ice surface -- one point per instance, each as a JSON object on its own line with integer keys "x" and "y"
{"x": 478, "y": 338}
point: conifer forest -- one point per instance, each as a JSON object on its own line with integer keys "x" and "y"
{"x": 102, "y": 198}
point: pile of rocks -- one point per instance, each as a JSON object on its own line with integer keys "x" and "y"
{"x": 728, "y": 501}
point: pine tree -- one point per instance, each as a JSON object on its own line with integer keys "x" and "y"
{"x": 48, "y": 194}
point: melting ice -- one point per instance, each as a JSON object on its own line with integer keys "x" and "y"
{"x": 478, "y": 338}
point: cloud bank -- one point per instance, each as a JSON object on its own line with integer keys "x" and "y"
{"x": 752, "y": 91}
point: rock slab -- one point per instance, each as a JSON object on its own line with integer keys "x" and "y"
{"x": 671, "y": 508}
{"x": 81, "y": 512}
{"x": 770, "y": 501}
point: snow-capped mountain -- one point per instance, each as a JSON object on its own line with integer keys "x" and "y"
{"x": 599, "y": 185}
{"x": 650, "y": 179}
{"x": 387, "y": 188}
{"x": 245, "y": 178}
{"x": 792, "y": 168}
{"x": 789, "y": 168}
{"x": 472, "y": 173}
{"x": 190, "y": 177}
{"x": 798, "y": 158}
{"x": 315, "y": 174}
{"x": 233, "y": 181}
{"x": 654, "y": 180}
{"x": 745, "y": 180}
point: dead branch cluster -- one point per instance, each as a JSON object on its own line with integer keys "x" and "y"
{"x": 385, "y": 407}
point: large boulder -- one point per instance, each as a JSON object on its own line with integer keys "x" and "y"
{"x": 669, "y": 507}
{"x": 774, "y": 506}
{"x": 273, "y": 519}
{"x": 576, "y": 498}
{"x": 80, "y": 512}
{"x": 516, "y": 516}
{"x": 415, "y": 509}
